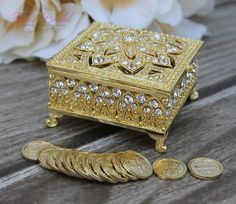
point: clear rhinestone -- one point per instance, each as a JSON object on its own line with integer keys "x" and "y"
{"x": 71, "y": 82}
{"x": 98, "y": 59}
{"x": 53, "y": 90}
{"x": 138, "y": 62}
{"x": 189, "y": 75}
{"x": 157, "y": 36}
{"x": 110, "y": 101}
{"x": 141, "y": 98}
{"x": 170, "y": 103}
{"x": 105, "y": 93}
{"x": 128, "y": 37}
{"x": 168, "y": 112}
{"x": 82, "y": 47}
{"x": 158, "y": 112}
{"x": 77, "y": 95}
{"x": 82, "y": 88}
{"x": 153, "y": 103}
{"x": 131, "y": 66}
{"x": 116, "y": 48}
{"x": 116, "y": 92}
{"x": 124, "y": 61}
{"x": 195, "y": 66}
{"x": 122, "y": 104}
{"x": 134, "y": 106}
{"x": 172, "y": 49}
{"x": 155, "y": 60}
{"x": 93, "y": 87}
{"x": 128, "y": 99}
{"x": 99, "y": 99}
{"x": 146, "y": 109}
{"x": 177, "y": 93}
{"x": 87, "y": 96}
{"x": 59, "y": 84}
{"x": 130, "y": 51}
{"x": 163, "y": 60}
{"x": 143, "y": 49}
{"x": 97, "y": 34}
{"x": 183, "y": 83}
{"x": 64, "y": 92}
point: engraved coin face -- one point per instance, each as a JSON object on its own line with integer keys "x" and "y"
{"x": 205, "y": 168}
{"x": 30, "y": 150}
{"x": 169, "y": 169}
{"x": 136, "y": 164}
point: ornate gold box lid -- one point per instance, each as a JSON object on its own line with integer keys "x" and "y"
{"x": 139, "y": 59}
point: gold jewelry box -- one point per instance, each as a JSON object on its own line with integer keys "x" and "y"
{"x": 131, "y": 78}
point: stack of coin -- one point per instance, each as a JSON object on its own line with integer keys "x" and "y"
{"x": 104, "y": 167}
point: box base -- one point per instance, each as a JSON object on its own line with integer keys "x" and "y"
{"x": 160, "y": 139}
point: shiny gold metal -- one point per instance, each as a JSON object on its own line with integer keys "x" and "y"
{"x": 30, "y": 150}
{"x": 103, "y": 167}
{"x": 169, "y": 169}
{"x": 53, "y": 119}
{"x": 194, "y": 95}
{"x": 130, "y": 78}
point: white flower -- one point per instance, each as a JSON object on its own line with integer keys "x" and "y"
{"x": 131, "y": 13}
{"x": 38, "y": 28}
{"x": 172, "y": 17}
{"x": 168, "y": 16}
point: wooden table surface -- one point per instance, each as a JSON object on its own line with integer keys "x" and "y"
{"x": 206, "y": 127}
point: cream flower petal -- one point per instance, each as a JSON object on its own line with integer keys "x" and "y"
{"x": 2, "y": 26}
{"x": 96, "y": 10}
{"x": 11, "y": 9}
{"x": 190, "y": 7}
{"x": 155, "y": 27}
{"x": 189, "y": 29}
{"x": 50, "y": 50}
{"x": 7, "y": 57}
{"x": 67, "y": 20}
{"x": 43, "y": 37}
{"x": 164, "y": 6}
{"x": 173, "y": 16}
{"x": 208, "y": 7}
{"x": 139, "y": 14}
{"x": 33, "y": 17}
{"x": 15, "y": 36}
{"x": 49, "y": 12}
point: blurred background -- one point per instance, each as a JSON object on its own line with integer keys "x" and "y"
{"x": 40, "y": 28}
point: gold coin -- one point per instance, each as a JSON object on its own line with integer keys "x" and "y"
{"x": 205, "y": 168}
{"x": 136, "y": 164}
{"x": 116, "y": 160}
{"x": 43, "y": 157}
{"x": 30, "y": 150}
{"x": 96, "y": 165}
{"x": 108, "y": 168}
{"x": 66, "y": 163}
{"x": 169, "y": 169}
{"x": 60, "y": 162}
{"x": 87, "y": 166}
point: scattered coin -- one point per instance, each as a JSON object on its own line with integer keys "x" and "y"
{"x": 169, "y": 169}
{"x": 30, "y": 150}
{"x": 205, "y": 168}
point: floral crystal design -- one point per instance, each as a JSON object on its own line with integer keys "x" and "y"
{"x": 131, "y": 51}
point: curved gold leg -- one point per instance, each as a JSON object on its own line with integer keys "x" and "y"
{"x": 194, "y": 95}
{"x": 160, "y": 141}
{"x": 53, "y": 119}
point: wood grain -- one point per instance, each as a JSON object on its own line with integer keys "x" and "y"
{"x": 206, "y": 127}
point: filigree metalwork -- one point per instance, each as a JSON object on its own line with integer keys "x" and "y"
{"x": 129, "y": 50}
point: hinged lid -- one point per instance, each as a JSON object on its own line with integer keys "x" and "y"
{"x": 136, "y": 58}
